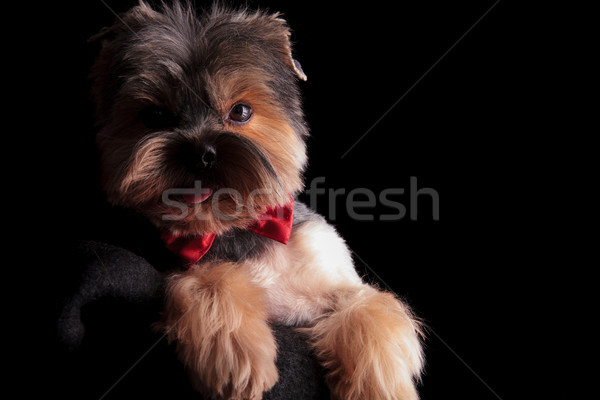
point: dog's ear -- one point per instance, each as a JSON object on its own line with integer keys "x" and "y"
{"x": 298, "y": 69}
{"x": 282, "y": 36}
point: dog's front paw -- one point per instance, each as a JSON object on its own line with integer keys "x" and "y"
{"x": 218, "y": 320}
{"x": 370, "y": 346}
{"x": 236, "y": 365}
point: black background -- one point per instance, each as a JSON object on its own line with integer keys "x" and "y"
{"x": 464, "y": 128}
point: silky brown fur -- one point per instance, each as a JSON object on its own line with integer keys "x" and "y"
{"x": 165, "y": 85}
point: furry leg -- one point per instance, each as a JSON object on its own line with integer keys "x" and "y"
{"x": 370, "y": 345}
{"x": 217, "y": 318}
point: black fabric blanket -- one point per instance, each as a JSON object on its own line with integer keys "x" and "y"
{"x": 110, "y": 351}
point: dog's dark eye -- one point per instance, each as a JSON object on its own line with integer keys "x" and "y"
{"x": 155, "y": 117}
{"x": 240, "y": 112}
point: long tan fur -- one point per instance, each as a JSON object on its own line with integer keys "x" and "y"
{"x": 218, "y": 320}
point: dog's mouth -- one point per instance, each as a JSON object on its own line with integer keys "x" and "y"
{"x": 196, "y": 196}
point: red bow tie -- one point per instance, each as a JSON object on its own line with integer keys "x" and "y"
{"x": 275, "y": 223}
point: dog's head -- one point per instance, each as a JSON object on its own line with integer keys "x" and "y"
{"x": 200, "y": 126}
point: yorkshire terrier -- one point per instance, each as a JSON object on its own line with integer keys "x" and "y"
{"x": 201, "y": 131}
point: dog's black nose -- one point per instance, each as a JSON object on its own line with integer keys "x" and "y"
{"x": 209, "y": 156}
{"x": 201, "y": 158}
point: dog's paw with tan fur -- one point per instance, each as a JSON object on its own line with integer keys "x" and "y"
{"x": 218, "y": 320}
{"x": 370, "y": 346}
